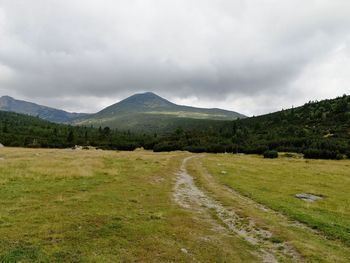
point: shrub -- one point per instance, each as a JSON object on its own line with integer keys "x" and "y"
{"x": 261, "y": 149}
{"x": 339, "y": 156}
{"x": 271, "y": 154}
{"x": 216, "y": 148}
{"x": 322, "y": 154}
{"x": 196, "y": 148}
{"x": 126, "y": 146}
{"x": 166, "y": 147}
{"x": 348, "y": 154}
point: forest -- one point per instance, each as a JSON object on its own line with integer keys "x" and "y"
{"x": 18, "y": 130}
{"x": 317, "y": 129}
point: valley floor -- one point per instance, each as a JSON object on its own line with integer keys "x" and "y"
{"x": 105, "y": 206}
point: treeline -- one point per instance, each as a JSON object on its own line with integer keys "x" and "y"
{"x": 18, "y": 130}
{"x": 317, "y": 129}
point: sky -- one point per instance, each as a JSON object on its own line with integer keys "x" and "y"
{"x": 250, "y": 56}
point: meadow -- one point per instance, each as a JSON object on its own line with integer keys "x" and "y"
{"x": 265, "y": 189}
{"x": 101, "y": 206}
{"x": 109, "y": 206}
{"x": 276, "y": 182}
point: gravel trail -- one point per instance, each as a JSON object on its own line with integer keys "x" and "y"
{"x": 189, "y": 196}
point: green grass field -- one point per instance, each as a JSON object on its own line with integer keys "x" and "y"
{"x": 105, "y": 206}
{"x": 275, "y": 183}
{"x": 101, "y": 206}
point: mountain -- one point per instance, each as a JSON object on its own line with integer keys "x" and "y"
{"x": 150, "y": 112}
{"x": 54, "y": 115}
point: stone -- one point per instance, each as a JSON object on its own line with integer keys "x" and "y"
{"x": 308, "y": 197}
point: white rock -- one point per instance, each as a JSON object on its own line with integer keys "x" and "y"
{"x": 308, "y": 197}
{"x": 184, "y": 250}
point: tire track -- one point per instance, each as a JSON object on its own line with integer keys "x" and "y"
{"x": 189, "y": 196}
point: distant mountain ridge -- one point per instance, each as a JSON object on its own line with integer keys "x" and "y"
{"x": 10, "y": 104}
{"x": 144, "y": 111}
{"x": 148, "y": 111}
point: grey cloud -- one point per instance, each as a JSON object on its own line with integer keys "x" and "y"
{"x": 57, "y": 51}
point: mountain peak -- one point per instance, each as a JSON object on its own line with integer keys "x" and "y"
{"x": 139, "y": 102}
{"x": 148, "y": 99}
{"x": 148, "y": 93}
{"x": 6, "y": 101}
{"x": 148, "y": 111}
{"x": 5, "y": 97}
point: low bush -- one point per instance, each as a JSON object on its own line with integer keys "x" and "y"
{"x": 348, "y": 154}
{"x": 166, "y": 147}
{"x": 196, "y": 149}
{"x": 322, "y": 154}
{"x": 271, "y": 154}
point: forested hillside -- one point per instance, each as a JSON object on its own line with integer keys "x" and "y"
{"x": 317, "y": 129}
{"x": 26, "y": 131}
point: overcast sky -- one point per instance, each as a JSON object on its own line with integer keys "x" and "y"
{"x": 251, "y": 56}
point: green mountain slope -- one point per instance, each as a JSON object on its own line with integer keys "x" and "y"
{"x": 149, "y": 112}
{"x": 19, "y": 106}
{"x": 318, "y": 129}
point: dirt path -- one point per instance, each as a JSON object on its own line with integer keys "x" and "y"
{"x": 189, "y": 196}
{"x": 249, "y": 202}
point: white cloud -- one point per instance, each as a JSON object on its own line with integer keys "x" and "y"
{"x": 233, "y": 54}
{"x": 327, "y": 76}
